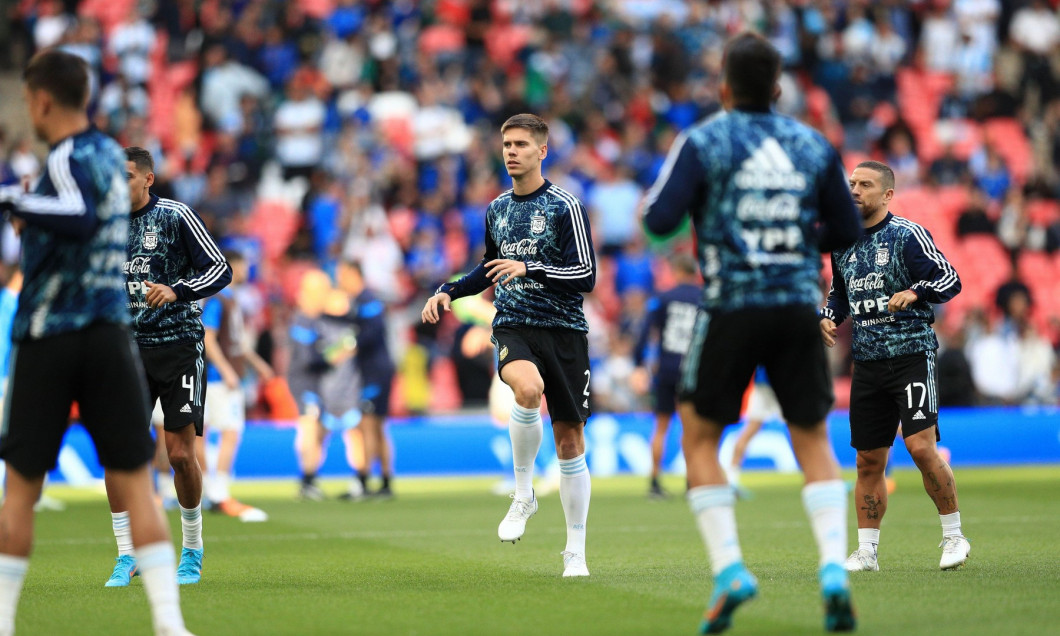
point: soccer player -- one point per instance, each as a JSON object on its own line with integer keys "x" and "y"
{"x": 172, "y": 262}
{"x": 539, "y": 248}
{"x": 71, "y": 336}
{"x": 229, "y": 353}
{"x": 324, "y": 380}
{"x": 765, "y": 193}
{"x": 368, "y": 314}
{"x": 670, "y": 319}
{"x": 885, "y": 283}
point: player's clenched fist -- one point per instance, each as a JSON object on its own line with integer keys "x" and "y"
{"x": 828, "y": 332}
{"x": 159, "y": 294}
{"x": 430, "y": 311}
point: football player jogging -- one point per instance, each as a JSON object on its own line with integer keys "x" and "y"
{"x": 368, "y": 315}
{"x": 72, "y": 340}
{"x": 230, "y": 354}
{"x": 539, "y": 249}
{"x": 172, "y": 262}
{"x": 766, "y": 194}
{"x": 885, "y": 283}
{"x": 671, "y": 316}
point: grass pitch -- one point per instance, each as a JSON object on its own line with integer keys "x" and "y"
{"x": 429, "y": 562}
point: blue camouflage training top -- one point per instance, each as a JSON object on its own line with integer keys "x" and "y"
{"x": 73, "y": 245}
{"x": 672, "y": 316}
{"x": 767, "y": 194}
{"x": 893, "y": 255}
{"x": 169, "y": 244}
{"x": 549, "y": 231}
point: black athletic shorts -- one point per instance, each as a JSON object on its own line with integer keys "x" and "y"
{"x": 99, "y": 368}
{"x": 176, "y": 376}
{"x": 726, "y": 348}
{"x": 664, "y": 391}
{"x": 375, "y": 394}
{"x": 562, "y": 358}
{"x": 886, "y": 392}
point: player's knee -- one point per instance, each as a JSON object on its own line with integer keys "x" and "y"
{"x": 181, "y": 457}
{"x": 528, "y": 394}
{"x": 870, "y": 464}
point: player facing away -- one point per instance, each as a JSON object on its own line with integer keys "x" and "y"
{"x": 230, "y": 355}
{"x": 766, "y": 194}
{"x": 885, "y": 283}
{"x": 539, "y": 248}
{"x": 368, "y": 316}
{"x": 72, "y": 340}
{"x": 172, "y": 262}
{"x": 671, "y": 316}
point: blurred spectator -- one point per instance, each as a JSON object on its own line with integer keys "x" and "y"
{"x": 224, "y": 82}
{"x": 1013, "y": 364}
{"x": 990, "y": 172}
{"x": 132, "y": 42}
{"x": 956, "y": 386}
{"x": 613, "y": 205}
{"x": 974, "y": 218}
{"x": 1035, "y": 31}
{"x": 899, "y": 150}
{"x": 299, "y": 123}
{"x": 948, "y": 169}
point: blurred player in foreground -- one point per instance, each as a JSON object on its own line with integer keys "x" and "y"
{"x": 72, "y": 337}
{"x": 766, "y": 195}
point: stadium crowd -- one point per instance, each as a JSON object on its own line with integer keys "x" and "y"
{"x": 311, "y": 131}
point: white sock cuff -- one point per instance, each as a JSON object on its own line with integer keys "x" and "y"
{"x": 821, "y": 495}
{"x": 119, "y": 519}
{"x": 524, "y": 416}
{"x": 572, "y": 467}
{"x": 13, "y": 568}
{"x": 191, "y": 514}
{"x": 703, "y": 497}
{"x": 869, "y": 535}
{"x": 155, "y": 555}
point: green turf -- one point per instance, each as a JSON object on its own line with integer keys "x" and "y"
{"x": 429, "y": 562}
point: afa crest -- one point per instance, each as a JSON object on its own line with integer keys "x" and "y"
{"x": 150, "y": 240}
{"x": 537, "y": 224}
{"x": 883, "y": 256}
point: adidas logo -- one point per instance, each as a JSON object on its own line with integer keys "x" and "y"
{"x": 919, "y": 416}
{"x": 585, "y": 404}
{"x": 769, "y": 168}
{"x": 187, "y": 409}
{"x": 853, "y": 257}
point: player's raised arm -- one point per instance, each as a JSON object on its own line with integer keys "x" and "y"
{"x": 935, "y": 279}
{"x": 679, "y": 186}
{"x": 577, "y": 272}
{"x": 72, "y": 211}
{"x": 212, "y": 273}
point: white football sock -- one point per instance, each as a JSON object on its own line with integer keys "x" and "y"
{"x": 158, "y": 569}
{"x": 191, "y": 526}
{"x": 575, "y": 489}
{"x": 12, "y": 574}
{"x": 826, "y": 505}
{"x": 119, "y": 521}
{"x": 951, "y": 524}
{"x": 715, "y": 511}
{"x": 868, "y": 539}
{"x": 525, "y": 429}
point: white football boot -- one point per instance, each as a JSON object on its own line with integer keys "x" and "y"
{"x": 514, "y": 523}
{"x": 862, "y": 560}
{"x": 954, "y": 552}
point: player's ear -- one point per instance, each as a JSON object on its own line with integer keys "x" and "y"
{"x": 150, "y": 181}
{"x": 543, "y": 151}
